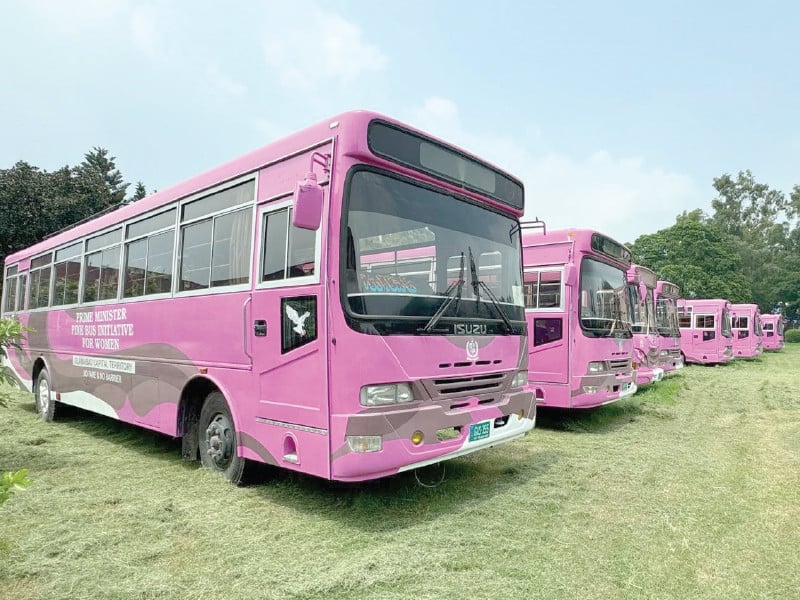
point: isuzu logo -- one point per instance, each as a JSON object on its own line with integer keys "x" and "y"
{"x": 470, "y": 329}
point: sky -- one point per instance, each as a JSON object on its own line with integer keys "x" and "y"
{"x": 616, "y": 115}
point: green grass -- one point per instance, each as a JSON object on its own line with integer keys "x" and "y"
{"x": 689, "y": 489}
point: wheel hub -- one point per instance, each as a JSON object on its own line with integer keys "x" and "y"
{"x": 44, "y": 397}
{"x": 219, "y": 438}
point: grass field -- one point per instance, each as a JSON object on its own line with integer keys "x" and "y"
{"x": 687, "y": 490}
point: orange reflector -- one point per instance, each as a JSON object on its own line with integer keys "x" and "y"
{"x": 203, "y": 370}
{"x": 416, "y": 438}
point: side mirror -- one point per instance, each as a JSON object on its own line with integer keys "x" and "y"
{"x": 307, "y": 207}
{"x": 570, "y": 275}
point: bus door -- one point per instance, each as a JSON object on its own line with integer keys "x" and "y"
{"x": 705, "y": 337}
{"x": 548, "y": 325}
{"x": 286, "y": 327}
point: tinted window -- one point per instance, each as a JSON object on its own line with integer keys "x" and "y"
{"x": 546, "y": 331}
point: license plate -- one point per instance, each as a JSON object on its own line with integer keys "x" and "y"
{"x": 479, "y": 431}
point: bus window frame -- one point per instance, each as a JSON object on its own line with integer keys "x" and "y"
{"x": 177, "y": 254}
{"x": 562, "y": 292}
{"x": 266, "y": 208}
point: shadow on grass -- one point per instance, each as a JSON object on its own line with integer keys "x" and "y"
{"x": 398, "y": 502}
{"x": 603, "y": 419}
{"x": 131, "y": 436}
{"x": 384, "y": 504}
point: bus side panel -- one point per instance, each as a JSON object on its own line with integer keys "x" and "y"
{"x": 131, "y": 361}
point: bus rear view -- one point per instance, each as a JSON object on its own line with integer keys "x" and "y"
{"x": 746, "y": 328}
{"x": 772, "y": 329}
{"x": 705, "y": 331}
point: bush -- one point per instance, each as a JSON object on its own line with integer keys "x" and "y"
{"x": 792, "y": 336}
{"x": 11, "y": 332}
{"x": 10, "y": 335}
{"x": 12, "y": 482}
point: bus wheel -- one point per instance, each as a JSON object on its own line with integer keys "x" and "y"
{"x": 217, "y": 439}
{"x": 43, "y": 396}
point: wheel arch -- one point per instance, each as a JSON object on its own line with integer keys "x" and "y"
{"x": 194, "y": 393}
{"x": 39, "y": 365}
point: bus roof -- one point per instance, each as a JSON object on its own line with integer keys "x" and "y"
{"x": 562, "y": 242}
{"x": 303, "y": 140}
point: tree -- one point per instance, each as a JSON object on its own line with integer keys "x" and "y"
{"x": 139, "y": 193}
{"x": 98, "y": 161}
{"x": 695, "y": 255}
{"x": 35, "y": 203}
{"x": 759, "y": 221}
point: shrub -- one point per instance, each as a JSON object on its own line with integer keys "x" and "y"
{"x": 10, "y": 335}
{"x": 792, "y": 336}
{"x": 12, "y": 482}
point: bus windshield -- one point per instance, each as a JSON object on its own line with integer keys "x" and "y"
{"x": 416, "y": 260}
{"x": 603, "y": 303}
{"x": 667, "y": 317}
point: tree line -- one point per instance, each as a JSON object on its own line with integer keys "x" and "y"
{"x": 35, "y": 203}
{"x": 746, "y": 250}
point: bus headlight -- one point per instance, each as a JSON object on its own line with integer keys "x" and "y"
{"x": 597, "y": 366}
{"x": 520, "y": 379}
{"x": 382, "y": 395}
{"x": 664, "y": 353}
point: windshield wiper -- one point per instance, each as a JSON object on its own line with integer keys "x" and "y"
{"x": 452, "y": 293}
{"x": 478, "y": 284}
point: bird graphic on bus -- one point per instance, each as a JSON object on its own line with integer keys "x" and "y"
{"x": 297, "y": 319}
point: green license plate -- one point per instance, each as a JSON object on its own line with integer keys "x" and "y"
{"x": 479, "y": 431}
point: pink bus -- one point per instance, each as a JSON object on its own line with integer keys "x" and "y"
{"x": 271, "y": 309}
{"x": 746, "y": 327}
{"x": 705, "y": 331}
{"x": 646, "y": 349}
{"x": 772, "y": 332}
{"x": 666, "y": 297}
{"x": 580, "y": 342}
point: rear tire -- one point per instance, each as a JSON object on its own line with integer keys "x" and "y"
{"x": 43, "y": 396}
{"x": 217, "y": 439}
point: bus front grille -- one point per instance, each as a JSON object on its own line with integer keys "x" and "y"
{"x": 475, "y": 385}
{"x": 620, "y": 365}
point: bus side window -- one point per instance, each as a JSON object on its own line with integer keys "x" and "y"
{"x": 287, "y": 251}
{"x": 550, "y": 289}
{"x": 39, "y": 289}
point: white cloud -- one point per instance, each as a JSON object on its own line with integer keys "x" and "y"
{"x": 221, "y": 82}
{"x": 145, "y": 31}
{"x": 320, "y": 46}
{"x": 76, "y": 16}
{"x": 621, "y": 197}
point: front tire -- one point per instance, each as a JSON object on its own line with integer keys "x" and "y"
{"x": 43, "y": 396}
{"x": 217, "y": 439}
